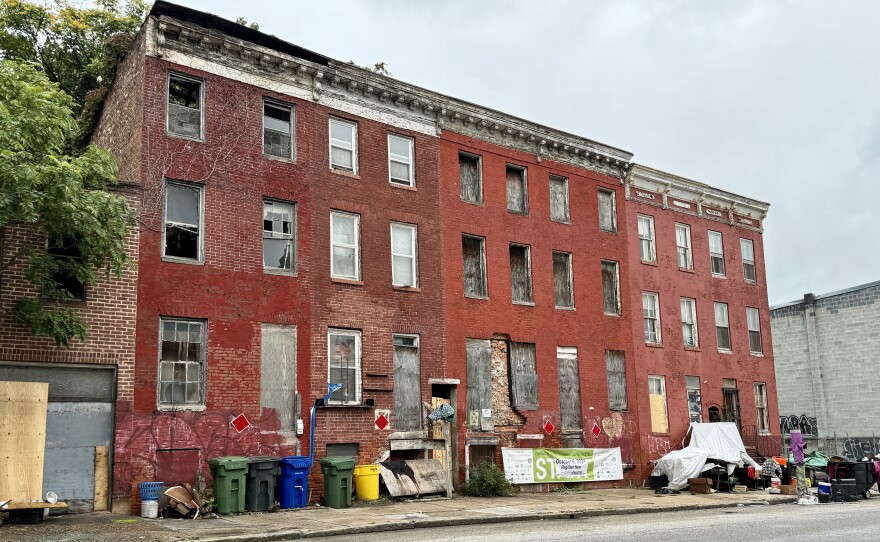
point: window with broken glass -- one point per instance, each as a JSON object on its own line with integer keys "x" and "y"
{"x": 64, "y": 259}
{"x": 279, "y": 247}
{"x": 517, "y": 190}
{"x": 183, "y": 221}
{"x": 695, "y": 401}
{"x": 182, "y": 362}
{"x": 344, "y": 354}
{"x": 184, "y": 117}
{"x": 470, "y": 176}
{"x": 559, "y": 209}
{"x": 278, "y": 130}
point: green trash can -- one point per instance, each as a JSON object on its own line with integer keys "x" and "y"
{"x": 229, "y": 475}
{"x": 337, "y": 481}
{"x": 260, "y": 488}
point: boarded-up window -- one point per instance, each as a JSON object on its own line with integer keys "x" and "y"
{"x": 278, "y": 373}
{"x": 610, "y": 288}
{"x": 559, "y": 199}
{"x": 520, "y": 274}
{"x": 470, "y": 178}
{"x": 569, "y": 389}
{"x": 657, "y": 399}
{"x": 407, "y": 387}
{"x": 562, "y": 287}
{"x": 523, "y": 376}
{"x": 695, "y": 401}
{"x": 479, "y": 385}
{"x": 517, "y": 192}
{"x": 607, "y": 211}
{"x": 473, "y": 253}
{"x": 615, "y": 370}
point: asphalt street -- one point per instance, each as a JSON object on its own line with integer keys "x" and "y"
{"x": 858, "y": 521}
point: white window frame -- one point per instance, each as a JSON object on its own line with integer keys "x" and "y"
{"x": 646, "y": 235}
{"x": 726, "y": 325}
{"x": 280, "y": 105}
{"x": 414, "y": 257}
{"x": 183, "y": 77}
{"x": 358, "y": 384}
{"x": 762, "y": 416}
{"x": 720, "y": 255}
{"x": 567, "y": 210}
{"x": 689, "y": 318}
{"x": 655, "y": 307}
{"x": 743, "y": 243}
{"x": 356, "y": 246}
{"x": 291, "y": 237}
{"x": 652, "y": 381}
{"x": 684, "y": 249}
{"x": 202, "y": 370}
{"x": 409, "y": 161}
{"x": 201, "y": 255}
{"x": 688, "y": 389}
{"x": 612, "y": 195}
{"x": 753, "y": 322}
{"x": 354, "y": 145}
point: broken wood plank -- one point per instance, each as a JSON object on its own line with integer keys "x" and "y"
{"x": 102, "y": 467}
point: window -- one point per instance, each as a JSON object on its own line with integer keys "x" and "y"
{"x": 695, "y": 402}
{"x": 761, "y": 408}
{"x": 610, "y": 288}
{"x": 400, "y": 160}
{"x": 470, "y": 176}
{"x": 657, "y": 398}
{"x": 182, "y": 362}
{"x": 689, "y": 322}
{"x": 615, "y": 372}
{"x": 520, "y": 274}
{"x": 607, "y": 211}
{"x": 716, "y": 253}
{"x": 754, "y": 321}
{"x": 277, "y": 130}
{"x": 279, "y": 249}
{"x": 345, "y": 245}
{"x": 647, "y": 252}
{"x": 517, "y": 190}
{"x": 651, "y": 312}
{"x": 559, "y": 199}
{"x": 473, "y": 252}
{"x": 722, "y": 327}
{"x": 184, "y": 106}
{"x": 344, "y": 360}
{"x": 562, "y": 286}
{"x": 748, "y": 256}
{"x": 404, "y": 261}
{"x": 64, "y": 258}
{"x": 343, "y": 145}
{"x": 183, "y": 221}
{"x": 523, "y": 376}
{"x": 683, "y": 246}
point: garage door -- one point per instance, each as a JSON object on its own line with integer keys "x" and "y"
{"x": 79, "y": 420}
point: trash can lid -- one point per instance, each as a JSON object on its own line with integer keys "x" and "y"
{"x": 340, "y": 463}
{"x": 230, "y": 462}
{"x": 296, "y": 461}
{"x": 263, "y": 459}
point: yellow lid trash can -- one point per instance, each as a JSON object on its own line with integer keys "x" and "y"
{"x": 366, "y": 482}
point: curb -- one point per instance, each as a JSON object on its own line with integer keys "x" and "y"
{"x": 297, "y": 534}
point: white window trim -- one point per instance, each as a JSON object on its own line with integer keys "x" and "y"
{"x": 414, "y": 259}
{"x": 412, "y": 161}
{"x": 766, "y": 417}
{"x": 717, "y": 254}
{"x": 177, "y": 259}
{"x": 613, "y": 195}
{"x": 727, "y": 315}
{"x": 182, "y": 76}
{"x": 742, "y": 242}
{"x": 280, "y": 105}
{"x": 354, "y": 145}
{"x": 690, "y": 253}
{"x": 356, "y": 246}
{"x": 656, "y": 302}
{"x": 406, "y": 336}
{"x": 749, "y": 329}
{"x": 294, "y": 260}
{"x": 203, "y": 375}
{"x": 662, "y": 380}
{"x": 692, "y": 303}
{"x": 358, "y": 387}
{"x": 652, "y": 238}
{"x": 567, "y": 199}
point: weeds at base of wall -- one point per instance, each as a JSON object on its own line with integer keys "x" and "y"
{"x": 487, "y": 480}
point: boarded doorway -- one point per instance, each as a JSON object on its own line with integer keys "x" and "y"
{"x": 407, "y": 386}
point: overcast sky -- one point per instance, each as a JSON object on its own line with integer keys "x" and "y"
{"x": 775, "y": 100}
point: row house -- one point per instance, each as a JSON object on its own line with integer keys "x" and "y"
{"x": 303, "y": 221}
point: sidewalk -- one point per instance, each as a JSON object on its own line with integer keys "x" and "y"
{"x": 382, "y": 516}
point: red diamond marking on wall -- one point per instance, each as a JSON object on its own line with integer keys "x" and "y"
{"x": 240, "y": 423}
{"x": 381, "y": 422}
{"x": 595, "y": 430}
{"x": 548, "y": 427}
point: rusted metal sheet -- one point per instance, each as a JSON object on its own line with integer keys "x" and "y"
{"x": 523, "y": 376}
{"x": 413, "y": 477}
{"x": 407, "y": 394}
{"x": 479, "y": 385}
{"x": 615, "y": 368}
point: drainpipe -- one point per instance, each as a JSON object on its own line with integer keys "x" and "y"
{"x": 814, "y": 364}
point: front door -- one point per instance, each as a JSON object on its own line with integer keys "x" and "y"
{"x": 730, "y": 407}
{"x": 407, "y": 387}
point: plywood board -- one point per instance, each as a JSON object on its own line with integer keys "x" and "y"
{"x": 102, "y": 467}
{"x": 23, "y": 429}
{"x": 413, "y": 477}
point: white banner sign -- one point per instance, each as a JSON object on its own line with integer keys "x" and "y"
{"x": 541, "y": 465}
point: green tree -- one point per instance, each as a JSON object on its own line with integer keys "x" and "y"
{"x": 60, "y": 196}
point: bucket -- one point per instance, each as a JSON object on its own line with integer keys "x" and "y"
{"x": 824, "y": 488}
{"x": 150, "y": 509}
{"x": 774, "y": 482}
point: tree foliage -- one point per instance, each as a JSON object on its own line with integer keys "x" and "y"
{"x": 61, "y": 195}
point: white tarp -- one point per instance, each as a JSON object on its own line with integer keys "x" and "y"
{"x": 679, "y": 465}
{"x": 720, "y": 440}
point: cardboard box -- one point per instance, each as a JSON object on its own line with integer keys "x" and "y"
{"x": 787, "y": 490}
{"x": 700, "y": 486}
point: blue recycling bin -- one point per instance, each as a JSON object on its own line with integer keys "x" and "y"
{"x": 293, "y": 484}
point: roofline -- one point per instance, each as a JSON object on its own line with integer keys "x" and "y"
{"x": 829, "y": 294}
{"x": 660, "y": 175}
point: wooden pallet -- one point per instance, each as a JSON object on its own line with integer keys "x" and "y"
{"x": 20, "y": 505}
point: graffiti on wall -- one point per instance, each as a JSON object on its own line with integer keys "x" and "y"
{"x": 658, "y": 446}
{"x": 807, "y": 424}
{"x": 857, "y": 448}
